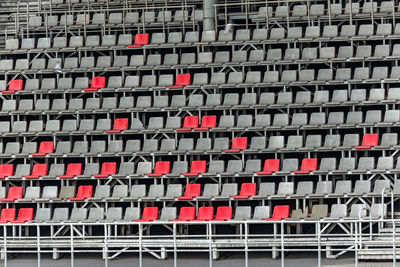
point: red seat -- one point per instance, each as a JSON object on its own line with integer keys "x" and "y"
{"x": 14, "y": 193}
{"x": 7, "y": 215}
{"x": 73, "y": 170}
{"x": 149, "y": 214}
{"x": 307, "y": 166}
{"x": 24, "y": 215}
{"x": 161, "y": 168}
{"x": 205, "y": 214}
{"x": 191, "y": 191}
{"x": 84, "y": 192}
{"x": 141, "y": 39}
{"x": 238, "y": 144}
{"x": 119, "y": 126}
{"x": 270, "y": 166}
{"x": 186, "y": 214}
{"x": 6, "y": 170}
{"x": 38, "y": 171}
{"x": 14, "y": 86}
{"x": 223, "y": 214}
{"x": 181, "y": 81}
{"x": 44, "y": 149}
{"x": 280, "y": 213}
{"x": 107, "y": 169}
{"x": 207, "y": 122}
{"x": 369, "y": 140}
{"x": 247, "y": 190}
{"x": 97, "y": 83}
{"x": 198, "y": 167}
{"x": 190, "y": 123}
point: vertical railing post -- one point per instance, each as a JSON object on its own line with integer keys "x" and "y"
{"x": 394, "y": 241}
{"x": 5, "y": 245}
{"x": 175, "y": 245}
{"x": 355, "y": 244}
{"x": 140, "y": 244}
{"x": 38, "y": 244}
{"x": 319, "y": 243}
{"x": 282, "y": 246}
{"x": 72, "y": 244}
{"x": 246, "y": 250}
{"x": 209, "y": 233}
{"x": 105, "y": 245}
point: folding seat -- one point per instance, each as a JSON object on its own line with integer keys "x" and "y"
{"x": 369, "y": 140}
{"x": 38, "y": 64}
{"x": 294, "y": 142}
{"x": 388, "y": 141}
{"x": 338, "y": 97}
{"x": 50, "y": 84}
{"x": 14, "y": 86}
{"x": 60, "y": 42}
{"x": 60, "y": 215}
{"x": 284, "y": 189}
{"x": 6, "y": 170}
{"x": 345, "y": 165}
{"x": 270, "y": 166}
{"x": 21, "y": 170}
{"x": 381, "y": 187}
{"x": 42, "y": 215}
{"x": 323, "y": 188}
{"x": 357, "y": 96}
{"x": 208, "y": 37}
{"x": 280, "y": 212}
{"x": 358, "y": 211}
{"x": 141, "y": 39}
{"x": 186, "y": 214}
{"x": 66, "y": 192}
{"x": 369, "y": 7}
{"x": 32, "y": 84}
{"x": 149, "y": 214}
{"x": 317, "y": 119}
{"x": 327, "y": 165}
{"x": 167, "y": 146}
{"x": 313, "y": 142}
{"x": 302, "y": 98}
{"x": 361, "y": 188}
{"x": 386, "y": 7}
{"x": 84, "y": 192}
{"x": 352, "y": 8}
{"x": 330, "y": 31}
{"x": 274, "y": 54}
{"x": 304, "y": 189}
{"x": 38, "y": 171}
{"x": 382, "y": 51}
{"x": 257, "y": 143}
{"x": 14, "y": 193}
{"x": 161, "y": 168}
{"x": 43, "y": 43}
{"x": 6, "y": 64}
{"x": 49, "y": 193}
{"x": 7, "y": 215}
{"x": 9, "y": 106}
{"x": 28, "y": 43}
{"x": 234, "y": 167}
{"x": 294, "y": 33}
{"x": 223, "y": 214}
{"x": 320, "y": 97}
{"x": 365, "y": 164}
{"x": 307, "y": 166}
{"x": 44, "y": 148}
{"x": 168, "y": 214}
{"x": 107, "y": 169}
{"x": 298, "y": 120}
{"x": 378, "y": 211}
{"x": 210, "y": 191}
{"x": 26, "y": 105}
{"x": 95, "y": 215}
{"x": 197, "y": 168}
{"x": 28, "y": 148}
{"x": 76, "y": 42}
{"x": 372, "y": 117}
{"x": 318, "y": 212}
{"x": 119, "y": 192}
{"x": 125, "y": 39}
{"x": 238, "y": 144}
{"x": 256, "y": 56}
{"x": 353, "y": 119}
{"x": 102, "y": 192}
{"x": 247, "y": 190}
{"x": 225, "y": 36}
{"x": 284, "y": 98}
{"x": 288, "y": 166}
{"x": 31, "y": 194}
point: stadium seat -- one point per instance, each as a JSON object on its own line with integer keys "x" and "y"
{"x": 84, "y": 192}
{"x": 141, "y": 39}
{"x": 14, "y": 86}
{"x": 207, "y": 122}
{"x": 44, "y": 149}
{"x": 189, "y": 123}
{"x": 7, "y": 215}
{"x": 182, "y": 80}
{"x": 307, "y": 166}
{"x": 107, "y": 170}
{"x": 247, "y": 190}
{"x": 369, "y": 140}
{"x": 186, "y": 214}
{"x": 73, "y": 170}
{"x": 205, "y": 214}
{"x": 238, "y": 144}
{"x": 223, "y": 214}
{"x": 280, "y": 212}
{"x": 6, "y": 170}
{"x": 270, "y": 166}
{"x": 120, "y": 125}
{"x": 149, "y": 214}
{"x": 191, "y": 191}
{"x": 161, "y": 168}
{"x": 197, "y": 168}
{"x": 24, "y": 215}
{"x": 39, "y": 170}
{"x": 97, "y": 83}
{"x": 14, "y": 193}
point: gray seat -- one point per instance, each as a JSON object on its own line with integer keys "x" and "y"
{"x": 131, "y": 214}
{"x": 216, "y": 167}
{"x": 143, "y": 168}
{"x": 113, "y": 215}
{"x": 350, "y": 140}
{"x": 95, "y": 215}
{"x": 284, "y": 189}
{"x": 304, "y": 189}
{"x": 361, "y": 187}
{"x": 221, "y": 144}
{"x": 228, "y": 190}
{"x": 242, "y": 213}
{"x": 173, "y": 191}
{"x": 66, "y": 192}
{"x": 77, "y": 215}
{"x": 119, "y": 192}
{"x": 102, "y": 192}
{"x": 155, "y": 192}
{"x": 137, "y": 191}
{"x": 345, "y": 165}
{"x": 31, "y": 194}
{"x": 266, "y": 190}
{"x": 42, "y": 215}
{"x": 168, "y": 214}
{"x": 49, "y": 193}
{"x": 210, "y": 191}
{"x": 60, "y": 215}
{"x": 323, "y": 188}
{"x": 288, "y": 166}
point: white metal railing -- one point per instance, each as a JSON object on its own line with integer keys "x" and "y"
{"x": 112, "y": 243}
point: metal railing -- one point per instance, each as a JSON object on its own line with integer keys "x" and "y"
{"x": 111, "y": 243}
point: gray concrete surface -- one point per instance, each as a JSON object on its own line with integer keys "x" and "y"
{"x": 193, "y": 260}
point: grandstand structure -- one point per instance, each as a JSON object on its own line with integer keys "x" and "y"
{"x": 164, "y": 127}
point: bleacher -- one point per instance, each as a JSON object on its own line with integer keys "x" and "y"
{"x": 132, "y": 113}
